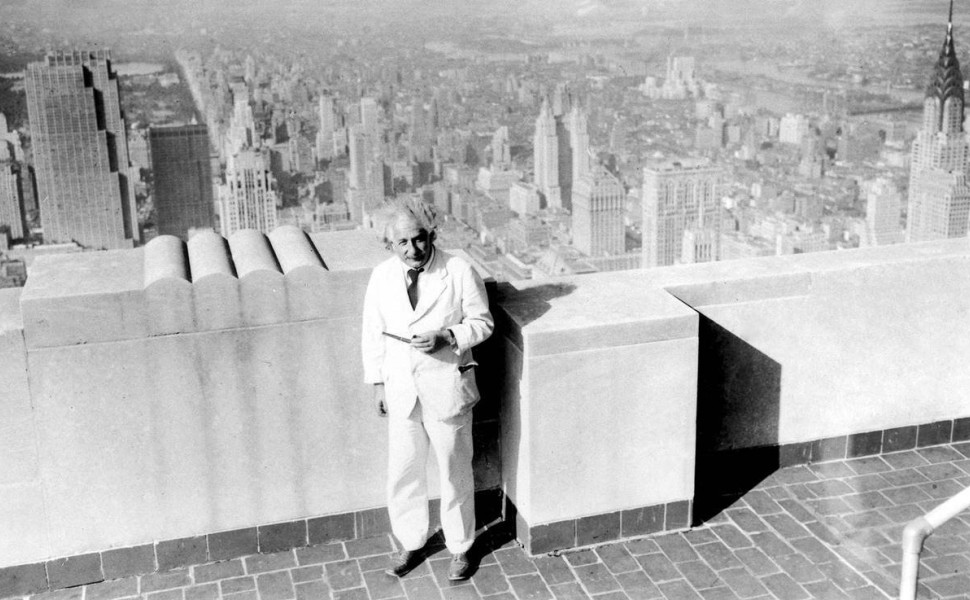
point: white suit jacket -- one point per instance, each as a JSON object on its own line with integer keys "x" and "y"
{"x": 452, "y": 296}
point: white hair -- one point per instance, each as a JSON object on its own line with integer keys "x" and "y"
{"x": 422, "y": 213}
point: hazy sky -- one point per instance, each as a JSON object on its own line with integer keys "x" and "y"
{"x": 87, "y": 17}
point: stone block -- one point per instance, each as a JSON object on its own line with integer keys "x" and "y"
{"x": 215, "y": 288}
{"x": 25, "y": 538}
{"x": 357, "y": 250}
{"x": 642, "y": 521}
{"x": 293, "y": 249}
{"x": 233, "y": 544}
{"x": 961, "y": 430}
{"x": 551, "y": 536}
{"x": 556, "y": 319}
{"x": 899, "y": 438}
{"x": 125, "y": 562}
{"x": 644, "y": 394}
{"x": 261, "y": 285}
{"x": 373, "y": 522}
{"x": 833, "y": 448}
{"x": 216, "y": 302}
{"x": 263, "y": 298}
{"x": 794, "y": 454}
{"x": 282, "y": 536}
{"x": 169, "y": 305}
{"x": 597, "y": 529}
{"x": 168, "y": 291}
{"x": 739, "y": 290}
{"x": 333, "y": 528}
{"x": 329, "y": 295}
{"x": 933, "y": 434}
{"x": 23, "y": 580}
{"x": 307, "y": 291}
{"x": 84, "y": 298}
{"x": 74, "y": 571}
{"x": 173, "y": 554}
{"x": 678, "y": 515}
{"x": 864, "y": 444}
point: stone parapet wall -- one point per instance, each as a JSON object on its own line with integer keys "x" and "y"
{"x": 185, "y": 390}
{"x": 638, "y": 393}
{"x": 180, "y": 390}
{"x": 208, "y": 284}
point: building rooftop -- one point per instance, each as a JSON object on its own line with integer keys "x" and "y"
{"x": 827, "y": 530}
{"x": 188, "y": 420}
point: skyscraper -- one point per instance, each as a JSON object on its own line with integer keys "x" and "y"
{"x": 80, "y": 150}
{"x": 183, "y": 179}
{"x": 370, "y": 119}
{"x": 598, "y": 205}
{"x": 325, "y": 135}
{"x": 365, "y": 181}
{"x": 579, "y": 143}
{"x": 546, "y": 157}
{"x": 939, "y": 194}
{"x": 501, "y": 152}
{"x": 242, "y": 127}
{"x": 679, "y": 196}
{"x": 882, "y": 213}
{"x": 11, "y": 200}
{"x": 358, "y": 156}
{"x": 561, "y": 149}
{"x": 565, "y": 155}
{"x": 248, "y": 198}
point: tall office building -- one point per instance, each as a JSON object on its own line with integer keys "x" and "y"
{"x": 80, "y": 150}
{"x": 565, "y": 155}
{"x": 679, "y": 196}
{"x": 365, "y": 181}
{"x": 579, "y": 142}
{"x": 328, "y": 124}
{"x": 370, "y": 119}
{"x": 357, "y": 150}
{"x": 882, "y": 213}
{"x": 248, "y": 198}
{"x": 241, "y": 133}
{"x": 182, "y": 172}
{"x": 939, "y": 194}
{"x": 501, "y": 150}
{"x": 11, "y": 201}
{"x": 546, "y": 157}
{"x": 598, "y": 205}
{"x": 561, "y": 149}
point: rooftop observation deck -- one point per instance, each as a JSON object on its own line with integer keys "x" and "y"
{"x": 187, "y": 421}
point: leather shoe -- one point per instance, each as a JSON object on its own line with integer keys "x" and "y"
{"x": 403, "y": 562}
{"x": 460, "y": 567}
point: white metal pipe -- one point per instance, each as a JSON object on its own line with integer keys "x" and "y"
{"x": 916, "y": 533}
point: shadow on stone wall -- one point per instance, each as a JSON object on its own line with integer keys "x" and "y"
{"x": 493, "y": 374}
{"x": 738, "y": 396}
{"x": 525, "y": 306}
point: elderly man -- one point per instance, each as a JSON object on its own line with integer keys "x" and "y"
{"x": 423, "y": 312}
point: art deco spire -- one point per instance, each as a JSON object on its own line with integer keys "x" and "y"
{"x": 947, "y": 81}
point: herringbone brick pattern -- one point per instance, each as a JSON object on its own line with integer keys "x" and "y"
{"x": 824, "y": 531}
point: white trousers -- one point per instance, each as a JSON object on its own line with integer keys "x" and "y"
{"x": 407, "y": 478}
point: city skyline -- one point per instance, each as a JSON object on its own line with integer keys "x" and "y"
{"x": 801, "y": 140}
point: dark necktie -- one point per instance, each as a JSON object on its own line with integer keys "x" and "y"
{"x": 413, "y": 286}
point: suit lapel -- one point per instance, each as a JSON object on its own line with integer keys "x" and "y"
{"x": 399, "y": 291}
{"x": 433, "y": 288}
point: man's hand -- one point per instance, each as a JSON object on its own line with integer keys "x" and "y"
{"x": 431, "y": 341}
{"x": 379, "y": 400}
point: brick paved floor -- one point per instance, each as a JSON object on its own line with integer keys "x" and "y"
{"x": 828, "y": 530}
